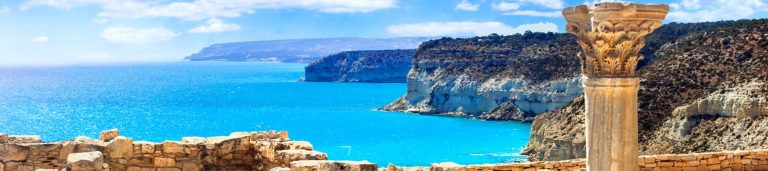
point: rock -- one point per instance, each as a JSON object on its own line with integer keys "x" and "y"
{"x": 280, "y": 169}
{"x": 287, "y": 156}
{"x": 193, "y": 140}
{"x": 191, "y": 167}
{"x": 13, "y": 152}
{"x": 326, "y": 165}
{"x": 476, "y": 76}
{"x": 89, "y": 161}
{"x": 171, "y": 147}
{"x": 447, "y": 166}
{"x": 379, "y": 66}
{"x": 3, "y": 138}
{"x": 164, "y": 162}
{"x": 66, "y": 148}
{"x": 120, "y": 147}
{"x": 24, "y": 139}
{"x": 108, "y": 135}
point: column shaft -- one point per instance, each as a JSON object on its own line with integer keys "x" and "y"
{"x": 611, "y": 109}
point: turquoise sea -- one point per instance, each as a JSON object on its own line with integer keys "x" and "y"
{"x": 159, "y": 101}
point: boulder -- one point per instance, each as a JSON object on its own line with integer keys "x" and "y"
{"x": 120, "y": 147}
{"x": 108, "y": 135}
{"x": 88, "y": 161}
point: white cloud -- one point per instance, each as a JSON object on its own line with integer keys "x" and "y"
{"x": 715, "y": 10}
{"x": 215, "y": 25}
{"x": 206, "y": 9}
{"x": 466, "y": 28}
{"x": 553, "y": 4}
{"x": 553, "y": 14}
{"x": 505, "y": 6}
{"x": 39, "y": 39}
{"x": 514, "y": 8}
{"x": 464, "y": 5}
{"x": 136, "y": 36}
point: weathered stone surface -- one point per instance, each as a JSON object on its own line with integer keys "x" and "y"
{"x": 3, "y": 138}
{"x": 325, "y": 165}
{"x": 164, "y": 162}
{"x": 120, "y": 147}
{"x": 24, "y": 139}
{"x": 13, "y": 152}
{"x": 287, "y": 156}
{"x": 171, "y": 147}
{"x": 447, "y": 166}
{"x": 89, "y": 161}
{"x": 108, "y": 135}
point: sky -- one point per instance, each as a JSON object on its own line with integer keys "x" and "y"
{"x": 63, "y": 32}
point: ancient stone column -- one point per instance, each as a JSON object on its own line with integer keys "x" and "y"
{"x": 611, "y": 36}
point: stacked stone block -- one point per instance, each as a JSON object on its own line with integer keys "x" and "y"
{"x": 238, "y": 151}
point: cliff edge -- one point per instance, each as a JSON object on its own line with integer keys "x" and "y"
{"x": 378, "y": 66}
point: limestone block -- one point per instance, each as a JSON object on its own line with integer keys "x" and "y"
{"x": 192, "y": 140}
{"x": 86, "y": 144}
{"x": 135, "y": 168}
{"x": 3, "y": 138}
{"x": 24, "y": 139}
{"x": 447, "y": 166}
{"x": 287, "y": 156}
{"x": 108, "y": 135}
{"x": 46, "y": 169}
{"x": 325, "y": 165}
{"x": 25, "y": 168}
{"x": 168, "y": 169}
{"x": 67, "y": 148}
{"x": 280, "y": 169}
{"x": 164, "y": 162}
{"x": 88, "y": 161}
{"x": 120, "y": 147}
{"x": 13, "y": 152}
{"x": 191, "y": 167}
{"x": 144, "y": 147}
{"x": 171, "y": 147}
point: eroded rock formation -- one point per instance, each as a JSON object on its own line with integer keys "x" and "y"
{"x": 704, "y": 91}
{"x": 377, "y": 66}
{"x": 493, "y": 77}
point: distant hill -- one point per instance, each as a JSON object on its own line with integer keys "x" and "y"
{"x": 299, "y": 50}
{"x": 379, "y": 66}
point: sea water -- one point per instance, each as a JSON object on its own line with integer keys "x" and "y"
{"x": 167, "y": 101}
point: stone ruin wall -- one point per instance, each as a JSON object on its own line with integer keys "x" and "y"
{"x": 273, "y": 151}
{"x": 238, "y": 151}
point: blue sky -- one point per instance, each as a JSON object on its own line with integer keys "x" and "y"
{"x": 60, "y": 32}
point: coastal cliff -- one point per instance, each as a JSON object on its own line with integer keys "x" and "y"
{"x": 379, "y": 66}
{"x": 492, "y": 77}
{"x": 706, "y": 90}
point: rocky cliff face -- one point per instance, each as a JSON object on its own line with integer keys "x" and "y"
{"x": 705, "y": 91}
{"x": 493, "y": 77}
{"x": 380, "y": 66}
{"x": 299, "y": 50}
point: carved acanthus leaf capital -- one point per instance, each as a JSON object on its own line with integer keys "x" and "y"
{"x": 612, "y": 34}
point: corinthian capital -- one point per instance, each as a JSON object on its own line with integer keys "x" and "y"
{"x": 612, "y": 34}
